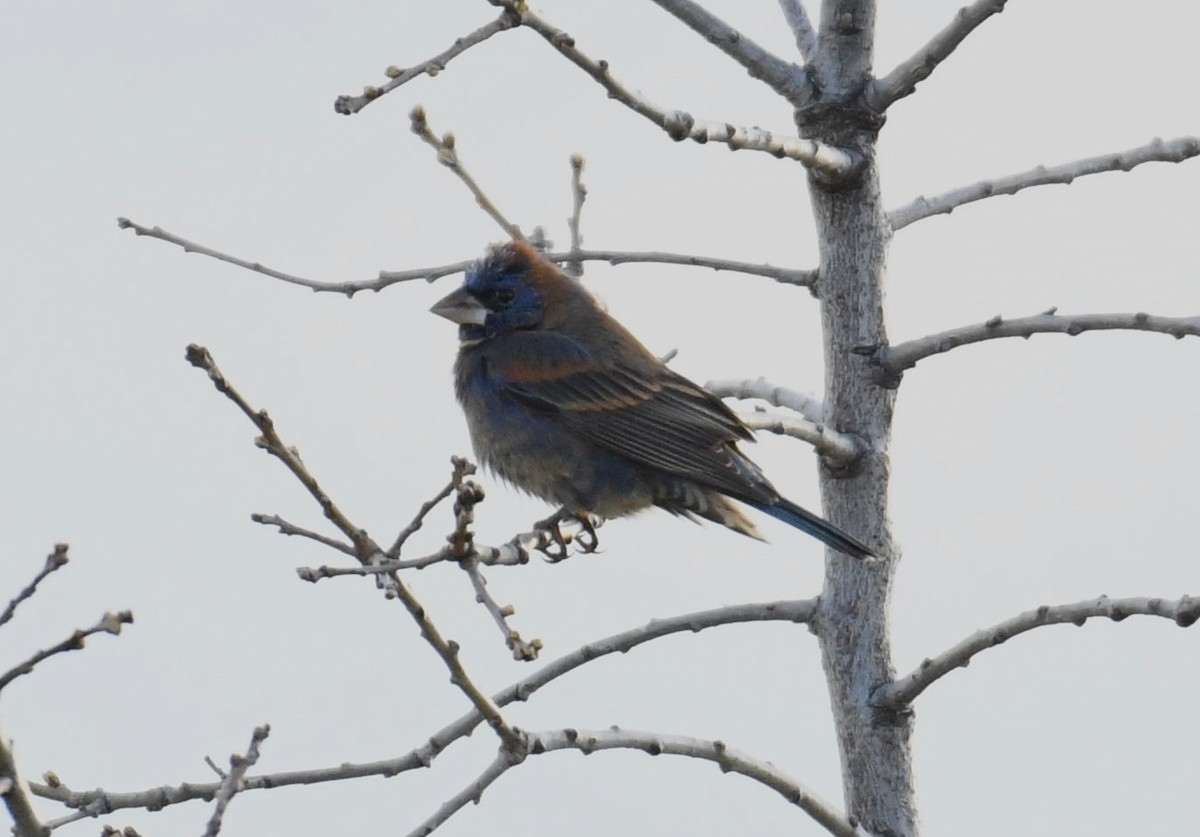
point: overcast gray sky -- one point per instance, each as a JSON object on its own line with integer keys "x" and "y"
{"x": 1025, "y": 472}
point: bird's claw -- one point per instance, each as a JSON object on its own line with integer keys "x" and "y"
{"x": 587, "y": 540}
{"x": 556, "y": 550}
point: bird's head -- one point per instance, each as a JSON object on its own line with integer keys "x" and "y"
{"x": 505, "y": 291}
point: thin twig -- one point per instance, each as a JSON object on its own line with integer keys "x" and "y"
{"x": 797, "y": 612}
{"x": 221, "y": 774}
{"x": 1184, "y": 612}
{"x": 783, "y": 275}
{"x": 513, "y": 553}
{"x": 462, "y": 547}
{"x": 347, "y": 288}
{"x": 679, "y": 125}
{"x": 18, "y": 797}
{"x": 1156, "y": 151}
{"x": 727, "y": 758}
{"x": 110, "y": 623}
{"x": 290, "y": 529}
{"x": 462, "y": 467}
{"x": 893, "y": 360}
{"x": 350, "y": 105}
{"x": 447, "y": 155}
{"x": 801, "y": 26}
{"x": 367, "y": 551}
{"x": 54, "y": 561}
{"x": 488, "y": 556}
{"x": 574, "y": 266}
{"x": 473, "y": 792}
{"x": 903, "y": 80}
{"x": 74, "y": 816}
{"x": 522, "y": 650}
{"x": 232, "y": 783}
{"x": 803, "y": 403}
{"x": 838, "y": 448}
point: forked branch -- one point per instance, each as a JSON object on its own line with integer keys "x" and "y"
{"x": 797, "y": 612}
{"x": 783, "y": 275}
{"x": 366, "y": 550}
{"x": 232, "y": 783}
{"x": 833, "y": 162}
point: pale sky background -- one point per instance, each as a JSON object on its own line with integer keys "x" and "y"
{"x": 1025, "y": 473}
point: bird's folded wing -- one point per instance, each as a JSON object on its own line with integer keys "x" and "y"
{"x": 652, "y": 416}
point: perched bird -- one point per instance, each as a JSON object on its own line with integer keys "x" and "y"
{"x": 563, "y": 402}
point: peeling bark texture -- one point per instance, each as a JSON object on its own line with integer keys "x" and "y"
{"x": 874, "y": 745}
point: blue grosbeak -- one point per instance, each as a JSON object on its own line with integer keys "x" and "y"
{"x": 563, "y": 402}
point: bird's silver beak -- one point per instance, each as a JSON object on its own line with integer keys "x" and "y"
{"x": 462, "y": 308}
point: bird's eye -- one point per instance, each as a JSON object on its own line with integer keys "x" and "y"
{"x": 502, "y": 297}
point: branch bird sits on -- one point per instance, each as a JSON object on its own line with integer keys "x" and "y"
{"x": 563, "y": 402}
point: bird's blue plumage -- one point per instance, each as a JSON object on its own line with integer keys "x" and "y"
{"x": 563, "y": 402}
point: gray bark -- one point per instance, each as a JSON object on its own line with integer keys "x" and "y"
{"x": 875, "y": 745}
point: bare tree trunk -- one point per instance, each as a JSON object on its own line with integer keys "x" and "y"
{"x": 875, "y": 746}
{"x": 854, "y": 615}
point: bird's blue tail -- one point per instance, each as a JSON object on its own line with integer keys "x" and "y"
{"x": 824, "y": 531}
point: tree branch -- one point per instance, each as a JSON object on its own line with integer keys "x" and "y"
{"x": 473, "y": 792}
{"x": 462, "y": 548}
{"x": 522, "y": 650}
{"x": 290, "y": 529}
{"x": 895, "y": 359}
{"x": 110, "y": 623}
{"x": 349, "y": 105}
{"x": 54, "y": 561}
{"x": 839, "y": 449}
{"x": 802, "y": 402}
{"x": 462, "y": 467}
{"x": 903, "y": 80}
{"x": 1184, "y": 612}
{"x": 232, "y": 783}
{"x": 727, "y": 758}
{"x": 679, "y": 125}
{"x": 798, "y": 612}
{"x": 515, "y": 552}
{"x": 578, "y": 194}
{"x": 447, "y": 155}
{"x": 17, "y": 796}
{"x": 801, "y": 26}
{"x": 783, "y": 275}
{"x": 1174, "y": 151}
{"x": 367, "y": 551}
{"x": 787, "y": 79}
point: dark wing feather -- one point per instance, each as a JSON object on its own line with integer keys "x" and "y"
{"x": 652, "y": 415}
